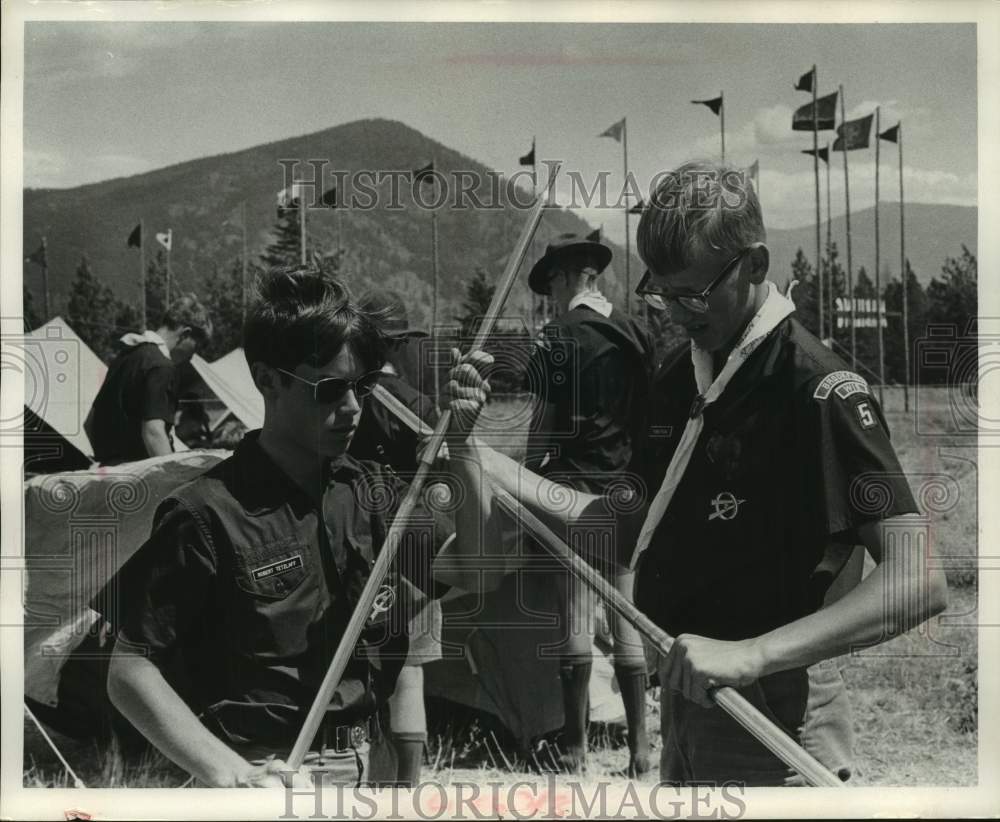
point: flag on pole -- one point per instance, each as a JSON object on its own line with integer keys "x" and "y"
{"x": 853, "y": 134}
{"x": 890, "y": 134}
{"x": 715, "y": 104}
{"x": 823, "y": 153}
{"x": 529, "y": 158}
{"x": 826, "y": 113}
{"x": 615, "y": 131}
{"x": 753, "y": 170}
{"x": 329, "y": 198}
{"x": 165, "y": 238}
{"x": 425, "y": 174}
{"x": 594, "y": 236}
{"x": 37, "y": 256}
{"x": 288, "y": 199}
{"x": 135, "y": 238}
{"x": 638, "y": 207}
{"x": 806, "y": 81}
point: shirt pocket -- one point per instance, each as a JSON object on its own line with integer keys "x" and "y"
{"x": 272, "y": 570}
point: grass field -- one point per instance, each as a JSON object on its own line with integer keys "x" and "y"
{"x": 914, "y": 698}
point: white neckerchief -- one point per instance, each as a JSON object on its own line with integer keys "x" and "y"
{"x": 133, "y": 339}
{"x": 775, "y": 308}
{"x": 592, "y": 299}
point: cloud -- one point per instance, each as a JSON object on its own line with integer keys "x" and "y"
{"x": 787, "y": 198}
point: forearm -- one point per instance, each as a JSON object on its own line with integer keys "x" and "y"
{"x": 155, "y": 439}
{"x": 897, "y": 596}
{"x": 139, "y": 691}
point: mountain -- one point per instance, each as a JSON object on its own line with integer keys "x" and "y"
{"x": 933, "y": 233}
{"x": 201, "y": 202}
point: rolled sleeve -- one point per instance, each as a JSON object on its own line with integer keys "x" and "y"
{"x": 858, "y": 477}
{"x": 160, "y": 595}
{"x": 159, "y": 400}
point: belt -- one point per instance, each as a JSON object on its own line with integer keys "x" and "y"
{"x": 336, "y": 739}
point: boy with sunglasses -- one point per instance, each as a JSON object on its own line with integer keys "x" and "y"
{"x": 228, "y": 616}
{"x": 768, "y": 461}
{"x": 134, "y": 411}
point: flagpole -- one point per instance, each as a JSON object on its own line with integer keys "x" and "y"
{"x": 819, "y": 269}
{"x": 434, "y": 287}
{"x": 878, "y": 275}
{"x": 722, "y": 124}
{"x": 628, "y": 240}
{"x": 302, "y": 224}
{"x": 829, "y": 240}
{"x": 847, "y": 200}
{"x": 538, "y": 301}
{"x": 142, "y": 270}
{"x": 904, "y": 277}
{"x": 170, "y": 237}
{"x": 45, "y": 281}
{"x": 243, "y": 221}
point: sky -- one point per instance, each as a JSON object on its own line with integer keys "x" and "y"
{"x": 105, "y": 100}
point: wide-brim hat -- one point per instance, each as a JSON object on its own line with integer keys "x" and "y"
{"x": 564, "y": 246}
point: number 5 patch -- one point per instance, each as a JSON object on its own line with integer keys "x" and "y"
{"x": 865, "y": 415}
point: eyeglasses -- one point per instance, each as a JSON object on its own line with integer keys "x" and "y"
{"x": 698, "y": 303}
{"x": 334, "y": 389}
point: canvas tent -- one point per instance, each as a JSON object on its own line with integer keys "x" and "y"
{"x": 229, "y": 379}
{"x": 80, "y": 527}
{"x": 61, "y": 379}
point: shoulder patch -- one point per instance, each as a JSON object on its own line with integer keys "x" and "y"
{"x": 845, "y": 383}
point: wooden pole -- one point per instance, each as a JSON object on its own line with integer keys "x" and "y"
{"x": 243, "y": 221}
{"x": 730, "y": 700}
{"x": 142, "y": 272}
{"x": 904, "y": 277}
{"x": 166, "y": 306}
{"x": 390, "y": 546}
{"x": 302, "y": 225}
{"x": 878, "y": 274}
{"x": 850, "y": 270}
{"x": 628, "y": 238}
{"x": 819, "y": 267}
{"x": 829, "y": 240}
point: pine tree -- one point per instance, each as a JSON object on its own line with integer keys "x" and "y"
{"x": 224, "y": 301}
{"x": 285, "y": 249}
{"x": 92, "y": 311}
{"x": 156, "y": 289}
{"x": 805, "y": 294}
{"x": 478, "y": 296}
{"x": 954, "y": 299}
{"x": 916, "y": 303}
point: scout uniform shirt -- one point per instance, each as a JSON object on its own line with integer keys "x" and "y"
{"x": 252, "y": 587}
{"x": 590, "y": 371}
{"x": 793, "y": 453}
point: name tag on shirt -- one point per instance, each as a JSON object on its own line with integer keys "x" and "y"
{"x": 276, "y": 568}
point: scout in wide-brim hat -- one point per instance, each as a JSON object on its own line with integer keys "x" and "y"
{"x": 564, "y": 248}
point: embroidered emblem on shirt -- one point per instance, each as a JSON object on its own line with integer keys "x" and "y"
{"x": 279, "y": 567}
{"x": 725, "y": 506}
{"x": 845, "y": 382}
{"x": 865, "y": 415}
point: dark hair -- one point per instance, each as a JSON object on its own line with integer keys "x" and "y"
{"x": 186, "y": 310}
{"x": 300, "y": 315}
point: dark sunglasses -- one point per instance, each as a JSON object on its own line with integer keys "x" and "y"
{"x": 698, "y": 303}
{"x": 334, "y": 389}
